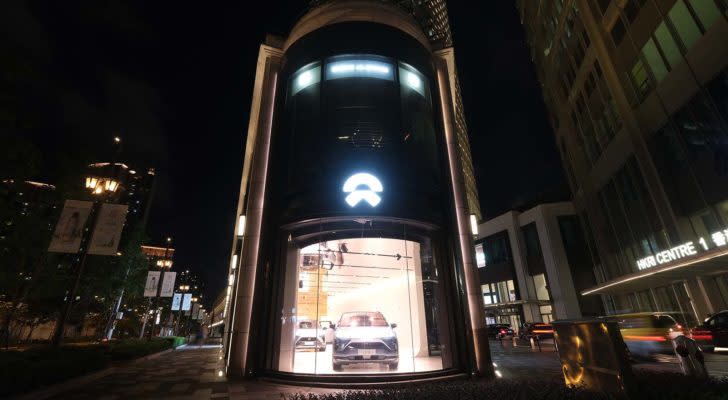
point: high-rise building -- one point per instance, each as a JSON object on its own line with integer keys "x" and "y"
{"x": 637, "y": 93}
{"x": 352, "y": 253}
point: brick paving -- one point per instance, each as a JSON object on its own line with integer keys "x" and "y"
{"x": 188, "y": 373}
{"x": 192, "y": 373}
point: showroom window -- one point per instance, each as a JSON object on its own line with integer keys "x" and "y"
{"x": 362, "y": 303}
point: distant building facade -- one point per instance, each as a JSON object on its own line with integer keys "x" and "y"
{"x": 532, "y": 266}
{"x": 637, "y": 93}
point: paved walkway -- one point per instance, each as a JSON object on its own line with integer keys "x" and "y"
{"x": 188, "y": 373}
{"x": 192, "y": 373}
{"x": 523, "y": 362}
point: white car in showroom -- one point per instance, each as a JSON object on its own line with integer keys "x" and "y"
{"x": 365, "y": 337}
{"x": 308, "y": 337}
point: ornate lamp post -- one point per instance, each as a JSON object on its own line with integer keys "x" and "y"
{"x": 103, "y": 189}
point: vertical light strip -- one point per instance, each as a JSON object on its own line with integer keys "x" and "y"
{"x": 473, "y": 224}
{"x": 241, "y": 225}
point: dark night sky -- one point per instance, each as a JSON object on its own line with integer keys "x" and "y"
{"x": 175, "y": 80}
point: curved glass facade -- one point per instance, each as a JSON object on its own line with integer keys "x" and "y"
{"x": 359, "y": 113}
{"x": 351, "y": 261}
{"x": 361, "y": 290}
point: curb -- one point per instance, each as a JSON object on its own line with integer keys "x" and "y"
{"x": 73, "y": 383}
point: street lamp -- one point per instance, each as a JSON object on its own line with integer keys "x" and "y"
{"x": 103, "y": 188}
{"x": 162, "y": 264}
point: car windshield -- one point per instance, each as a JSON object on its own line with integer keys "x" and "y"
{"x": 362, "y": 319}
{"x": 664, "y": 321}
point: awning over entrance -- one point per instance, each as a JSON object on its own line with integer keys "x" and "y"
{"x": 708, "y": 263}
{"x": 510, "y": 304}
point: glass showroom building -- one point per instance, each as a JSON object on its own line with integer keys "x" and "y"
{"x": 352, "y": 255}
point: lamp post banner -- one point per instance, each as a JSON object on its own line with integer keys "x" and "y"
{"x": 150, "y": 289}
{"x": 176, "y": 301}
{"x": 186, "y": 301}
{"x": 69, "y": 229}
{"x": 195, "y": 310}
{"x": 168, "y": 284}
{"x": 107, "y": 231}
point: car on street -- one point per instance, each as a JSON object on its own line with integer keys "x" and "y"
{"x": 537, "y": 329}
{"x": 648, "y": 334}
{"x": 713, "y": 332}
{"x": 308, "y": 337}
{"x": 499, "y": 331}
{"x": 365, "y": 337}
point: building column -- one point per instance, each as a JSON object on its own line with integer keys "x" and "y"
{"x": 255, "y": 172}
{"x": 526, "y": 288}
{"x": 558, "y": 274}
{"x": 481, "y": 361}
{"x": 705, "y": 296}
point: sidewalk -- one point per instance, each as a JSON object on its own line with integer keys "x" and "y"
{"x": 188, "y": 373}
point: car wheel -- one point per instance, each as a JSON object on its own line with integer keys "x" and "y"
{"x": 393, "y": 366}
{"x": 338, "y": 367}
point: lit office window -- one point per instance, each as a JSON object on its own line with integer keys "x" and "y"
{"x": 684, "y": 24}
{"x": 490, "y": 294}
{"x": 359, "y": 67}
{"x": 305, "y": 77}
{"x": 539, "y": 282}
{"x": 706, "y": 11}
{"x": 640, "y": 77}
{"x": 479, "y": 255}
{"x": 654, "y": 60}
{"x": 668, "y": 45}
{"x": 410, "y": 78}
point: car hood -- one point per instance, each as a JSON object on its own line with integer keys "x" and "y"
{"x": 365, "y": 332}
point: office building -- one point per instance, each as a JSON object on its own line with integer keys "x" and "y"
{"x": 532, "y": 266}
{"x": 352, "y": 254}
{"x": 637, "y": 93}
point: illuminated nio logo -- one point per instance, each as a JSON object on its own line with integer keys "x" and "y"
{"x": 363, "y": 186}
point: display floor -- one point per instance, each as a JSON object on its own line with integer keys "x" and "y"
{"x": 319, "y": 362}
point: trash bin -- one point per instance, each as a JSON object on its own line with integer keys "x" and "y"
{"x": 690, "y": 357}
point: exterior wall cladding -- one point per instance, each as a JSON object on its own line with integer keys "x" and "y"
{"x": 637, "y": 93}
{"x": 357, "y": 86}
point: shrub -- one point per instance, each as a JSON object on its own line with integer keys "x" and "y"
{"x": 23, "y": 371}
{"x": 134, "y": 348}
{"x": 28, "y": 370}
{"x": 176, "y": 341}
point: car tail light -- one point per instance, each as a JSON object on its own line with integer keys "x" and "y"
{"x": 646, "y": 338}
{"x": 502, "y": 331}
{"x": 701, "y": 335}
